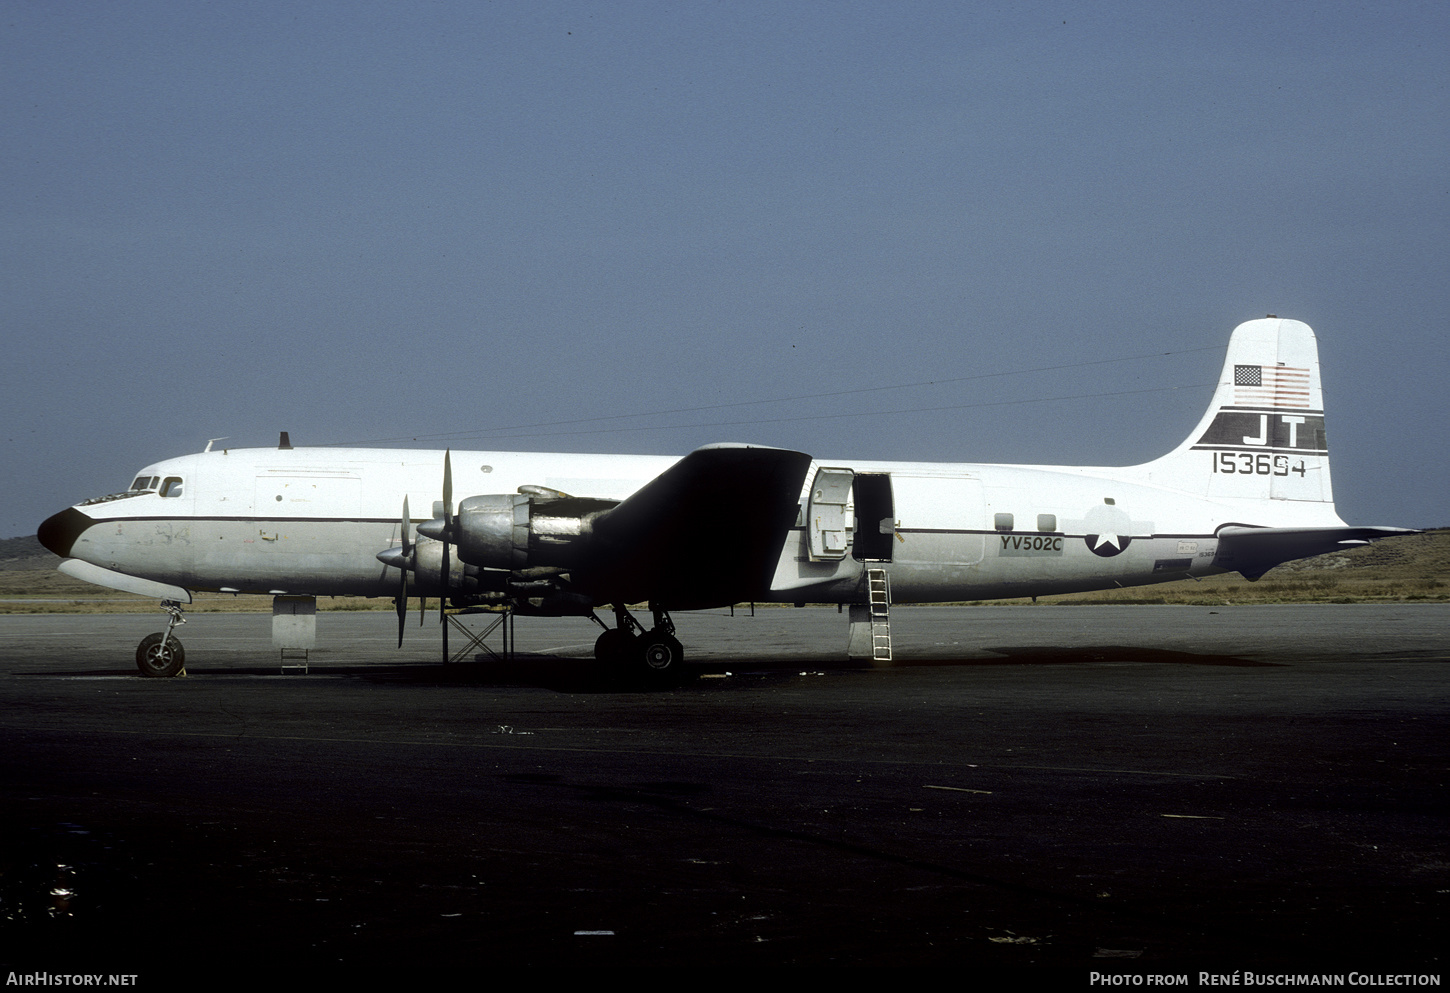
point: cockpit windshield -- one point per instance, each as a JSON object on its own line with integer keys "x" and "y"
{"x": 142, "y": 485}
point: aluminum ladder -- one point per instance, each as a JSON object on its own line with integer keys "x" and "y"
{"x": 878, "y": 588}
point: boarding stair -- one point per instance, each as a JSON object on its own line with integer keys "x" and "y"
{"x": 878, "y": 587}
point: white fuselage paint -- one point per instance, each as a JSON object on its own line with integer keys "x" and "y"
{"x": 311, "y": 521}
{"x": 1248, "y": 488}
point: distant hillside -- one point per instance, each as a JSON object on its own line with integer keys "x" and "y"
{"x": 26, "y": 552}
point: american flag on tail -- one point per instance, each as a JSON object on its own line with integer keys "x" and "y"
{"x": 1271, "y": 386}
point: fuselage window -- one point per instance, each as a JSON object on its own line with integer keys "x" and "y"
{"x": 172, "y": 487}
{"x": 1003, "y": 522}
{"x": 1047, "y": 522}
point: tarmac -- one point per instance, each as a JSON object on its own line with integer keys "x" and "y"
{"x": 1067, "y": 790}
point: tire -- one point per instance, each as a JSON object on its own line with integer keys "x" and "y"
{"x": 613, "y": 647}
{"x": 662, "y": 659}
{"x": 157, "y": 660}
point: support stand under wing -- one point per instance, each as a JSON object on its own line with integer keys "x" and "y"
{"x": 294, "y": 632}
{"x": 476, "y": 645}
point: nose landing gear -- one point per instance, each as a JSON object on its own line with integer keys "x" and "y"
{"x": 159, "y": 654}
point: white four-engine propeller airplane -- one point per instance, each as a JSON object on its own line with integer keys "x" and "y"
{"x": 555, "y": 534}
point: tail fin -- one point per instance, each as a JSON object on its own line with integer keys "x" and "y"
{"x": 1263, "y": 435}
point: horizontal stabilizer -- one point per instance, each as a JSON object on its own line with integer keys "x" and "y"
{"x": 1254, "y": 551}
{"x": 78, "y": 569}
{"x": 706, "y": 532}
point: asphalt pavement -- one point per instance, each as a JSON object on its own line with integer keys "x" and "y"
{"x": 1061, "y": 789}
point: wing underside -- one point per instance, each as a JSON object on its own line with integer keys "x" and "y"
{"x": 706, "y": 532}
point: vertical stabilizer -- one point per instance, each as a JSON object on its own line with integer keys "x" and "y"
{"x": 1263, "y": 435}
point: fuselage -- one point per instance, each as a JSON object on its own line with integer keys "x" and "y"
{"x": 311, "y": 522}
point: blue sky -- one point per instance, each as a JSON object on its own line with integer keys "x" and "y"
{"x": 366, "y": 222}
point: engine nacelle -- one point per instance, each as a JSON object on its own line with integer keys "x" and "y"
{"x": 519, "y": 532}
{"x": 463, "y": 579}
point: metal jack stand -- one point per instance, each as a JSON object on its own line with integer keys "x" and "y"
{"x": 476, "y": 644}
{"x": 294, "y": 631}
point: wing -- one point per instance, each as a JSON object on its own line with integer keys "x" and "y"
{"x": 1254, "y": 551}
{"x": 706, "y": 532}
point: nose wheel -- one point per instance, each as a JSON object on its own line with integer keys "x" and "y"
{"x": 159, "y": 654}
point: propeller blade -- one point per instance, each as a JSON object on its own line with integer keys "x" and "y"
{"x": 403, "y": 590}
{"x": 448, "y": 485}
{"x": 402, "y": 609}
{"x": 447, "y": 532}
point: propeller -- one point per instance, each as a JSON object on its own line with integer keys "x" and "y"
{"x": 447, "y": 533}
{"x": 443, "y": 529}
{"x": 401, "y": 558}
{"x": 406, "y": 551}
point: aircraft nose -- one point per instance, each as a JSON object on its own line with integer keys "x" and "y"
{"x": 60, "y": 531}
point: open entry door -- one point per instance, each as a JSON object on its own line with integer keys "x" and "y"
{"x": 850, "y": 512}
{"x": 828, "y": 528}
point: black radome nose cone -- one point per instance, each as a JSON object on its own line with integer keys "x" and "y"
{"x": 60, "y": 531}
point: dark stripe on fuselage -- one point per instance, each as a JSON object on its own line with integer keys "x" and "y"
{"x": 1273, "y": 410}
{"x": 92, "y": 521}
{"x": 243, "y": 520}
{"x": 1260, "y": 448}
{"x": 1049, "y": 534}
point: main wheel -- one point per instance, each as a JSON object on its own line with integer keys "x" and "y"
{"x": 155, "y": 659}
{"x": 613, "y": 647}
{"x": 663, "y": 658}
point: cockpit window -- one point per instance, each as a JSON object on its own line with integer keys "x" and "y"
{"x": 141, "y": 486}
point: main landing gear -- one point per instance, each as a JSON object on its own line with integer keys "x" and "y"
{"x": 655, "y": 655}
{"x": 160, "y": 654}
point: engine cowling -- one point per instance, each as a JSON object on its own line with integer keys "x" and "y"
{"x": 518, "y": 532}
{"x": 426, "y": 562}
